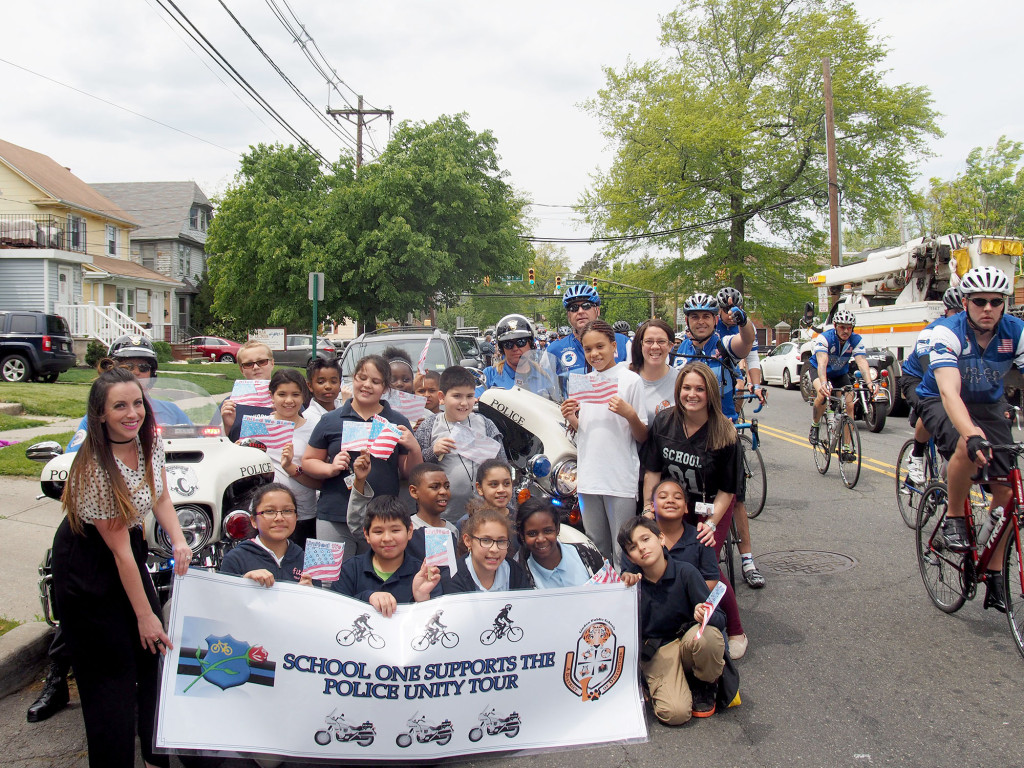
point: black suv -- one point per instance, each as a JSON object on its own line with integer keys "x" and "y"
{"x": 443, "y": 351}
{"x": 34, "y": 345}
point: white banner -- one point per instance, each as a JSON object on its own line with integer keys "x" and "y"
{"x": 291, "y": 671}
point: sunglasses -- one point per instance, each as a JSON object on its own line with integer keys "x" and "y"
{"x": 583, "y": 306}
{"x": 255, "y": 364}
{"x": 514, "y": 343}
{"x": 982, "y": 303}
{"x": 136, "y": 367}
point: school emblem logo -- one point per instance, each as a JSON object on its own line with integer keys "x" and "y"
{"x": 226, "y": 663}
{"x": 569, "y": 358}
{"x": 181, "y": 479}
{"x": 596, "y": 664}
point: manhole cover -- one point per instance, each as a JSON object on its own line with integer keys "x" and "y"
{"x": 804, "y": 561}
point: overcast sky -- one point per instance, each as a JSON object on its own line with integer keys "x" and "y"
{"x": 521, "y": 70}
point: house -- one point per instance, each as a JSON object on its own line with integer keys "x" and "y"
{"x": 65, "y": 249}
{"x": 173, "y": 217}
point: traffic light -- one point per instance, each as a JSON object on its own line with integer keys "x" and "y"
{"x": 558, "y": 282}
{"x": 594, "y": 282}
{"x": 531, "y": 273}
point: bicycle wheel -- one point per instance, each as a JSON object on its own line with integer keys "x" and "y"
{"x": 488, "y": 636}
{"x": 849, "y": 460}
{"x": 514, "y": 634}
{"x": 726, "y": 555}
{"x": 941, "y": 569}
{"x": 420, "y": 643}
{"x": 1013, "y": 586}
{"x": 756, "y": 477}
{"x": 449, "y": 639}
{"x": 907, "y": 493}
{"x": 345, "y": 637}
{"x": 823, "y": 450}
{"x": 375, "y": 641}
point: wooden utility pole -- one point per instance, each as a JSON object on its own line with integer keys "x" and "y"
{"x": 357, "y": 116}
{"x": 833, "y": 172}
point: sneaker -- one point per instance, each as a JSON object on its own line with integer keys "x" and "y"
{"x": 738, "y": 646}
{"x": 753, "y": 577}
{"x": 915, "y": 470}
{"x": 813, "y": 437}
{"x": 994, "y": 592}
{"x": 847, "y": 453}
{"x": 703, "y": 697}
{"x": 954, "y": 531}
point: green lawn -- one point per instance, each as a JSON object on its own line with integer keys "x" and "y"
{"x": 13, "y": 461}
{"x": 47, "y": 399}
{"x": 6, "y": 625}
{"x": 18, "y": 422}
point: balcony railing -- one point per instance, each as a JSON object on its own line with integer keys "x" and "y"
{"x": 18, "y": 230}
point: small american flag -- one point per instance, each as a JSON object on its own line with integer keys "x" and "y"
{"x": 588, "y": 388}
{"x": 384, "y": 437}
{"x": 252, "y": 392}
{"x": 355, "y": 436}
{"x": 606, "y": 575}
{"x": 421, "y": 364}
{"x": 711, "y": 603}
{"x": 323, "y": 559}
{"x": 439, "y": 548}
{"x": 274, "y": 433}
{"x": 1005, "y": 345}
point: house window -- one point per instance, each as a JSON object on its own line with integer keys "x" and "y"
{"x": 198, "y": 218}
{"x": 126, "y": 301}
{"x": 76, "y": 233}
{"x": 111, "y": 240}
{"x": 182, "y": 260}
{"x": 149, "y": 256}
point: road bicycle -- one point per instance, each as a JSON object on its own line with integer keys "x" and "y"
{"x": 350, "y": 636}
{"x": 513, "y": 633}
{"x": 433, "y": 635}
{"x": 952, "y": 578}
{"x": 753, "y": 464}
{"x": 838, "y": 435}
{"x": 908, "y": 493}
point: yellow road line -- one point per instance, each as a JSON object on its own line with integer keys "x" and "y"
{"x": 795, "y": 439}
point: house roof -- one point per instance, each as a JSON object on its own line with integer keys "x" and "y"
{"x": 57, "y": 182}
{"x": 161, "y": 207}
{"x": 129, "y": 269}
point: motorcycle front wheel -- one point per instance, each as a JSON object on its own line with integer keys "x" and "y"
{"x": 444, "y": 739}
{"x": 403, "y": 740}
{"x": 365, "y": 741}
{"x": 323, "y": 738}
{"x": 475, "y": 734}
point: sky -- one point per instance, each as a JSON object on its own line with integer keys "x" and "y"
{"x": 521, "y": 70}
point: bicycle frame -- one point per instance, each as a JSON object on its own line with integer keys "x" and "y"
{"x": 752, "y": 424}
{"x": 1011, "y": 515}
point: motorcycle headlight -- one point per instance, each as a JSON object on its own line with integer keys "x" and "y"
{"x": 195, "y": 524}
{"x": 564, "y": 483}
{"x": 873, "y": 372}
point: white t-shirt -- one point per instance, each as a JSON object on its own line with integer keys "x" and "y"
{"x": 608, "y": 458}
{"x": 660, "y": 394}
{"x": 305, "y": 497}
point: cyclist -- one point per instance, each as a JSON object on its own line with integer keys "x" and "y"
{"x": 582, "y": 304}
{"x": 362, "y": 625}
{"x": 515, "y": 337}
{"x": 623, "y": 327}
{"x": 728, "y": 298}
{"x": 830, "y": 365}
{"x": 434, "y": 627}
{"x": 502, "y": 622}
{"x": 960, "y": 401}
{"x": 913, "y": 372}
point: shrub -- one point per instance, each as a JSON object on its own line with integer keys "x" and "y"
{"x": 94, "y": 352}
{"x": 163, "y": 351}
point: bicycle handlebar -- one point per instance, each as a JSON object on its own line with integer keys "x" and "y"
{"x": 753, "y": 396}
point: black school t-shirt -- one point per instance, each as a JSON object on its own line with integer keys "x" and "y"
{"x": 333, "y": 502}
{"x": 701, "y": 472}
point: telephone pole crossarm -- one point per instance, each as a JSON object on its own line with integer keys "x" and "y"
{"x": 358, "y": 116}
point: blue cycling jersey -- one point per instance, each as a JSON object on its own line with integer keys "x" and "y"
{"x": 922, "y": 348}
{"x": 724, "y": 330}
{"x": 839, "y": 352}
{"x": 954, "y": 345}
{"x": 165, "y": 412}
{"x": 710, "y": 354}
{"x": 569, "y": 353}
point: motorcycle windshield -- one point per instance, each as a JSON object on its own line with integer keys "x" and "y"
{"x": 537, "y": 372}
{"x": 182, "y": 408}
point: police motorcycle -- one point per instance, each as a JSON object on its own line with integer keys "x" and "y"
{"x": 424, "y": 732}
{"x": 362, "y": 734}
{"x": 490, "y": 722}
{"x": 209, "y": 479}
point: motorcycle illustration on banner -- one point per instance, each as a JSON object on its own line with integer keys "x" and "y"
{"x": 342, "y": 731}
{"x": 494, "y": 725}
{"x": 425, "y": 732}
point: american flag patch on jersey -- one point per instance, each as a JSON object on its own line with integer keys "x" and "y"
{"x": 1005, "y": 345}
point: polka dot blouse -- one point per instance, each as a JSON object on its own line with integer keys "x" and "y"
{"x": 96, "y": 501}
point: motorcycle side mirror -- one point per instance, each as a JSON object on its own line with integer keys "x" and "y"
{"x": 44, "y": 451}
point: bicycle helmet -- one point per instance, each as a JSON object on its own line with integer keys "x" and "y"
{"x": 513, "y": 327}
{"x": 125, "y": 347}
{"x": 844, "y": 317}
{"x": 953, "y": 298}
{"x": 985, "y": 280}
{"x": 730, "y": 297}
{"x": 508, "y": 606}
{"x": 580, "y": 293}
{"x": 700, "y": 302}
{"x": 621, "y": 326}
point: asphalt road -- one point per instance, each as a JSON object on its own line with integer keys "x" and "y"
{"x": 849, "y": 668}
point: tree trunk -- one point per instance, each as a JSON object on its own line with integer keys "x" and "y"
{"x": 737, "y": 234}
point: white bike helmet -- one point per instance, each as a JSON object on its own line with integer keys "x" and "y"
{"x": 953, "y": 298}
{"x": 700, "y": 302}
{"x": 844, "y": 317}
{"x": 985, "y": 280}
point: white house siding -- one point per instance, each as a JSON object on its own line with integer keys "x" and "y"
{"x": 21, "y": 284}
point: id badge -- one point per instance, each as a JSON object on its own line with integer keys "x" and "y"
{"x": 350, "y": 480}
{"x": 704, "y": 509}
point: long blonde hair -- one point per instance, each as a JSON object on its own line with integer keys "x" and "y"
{"x": 96, "y": 453}
{"x": 721, "y": 432}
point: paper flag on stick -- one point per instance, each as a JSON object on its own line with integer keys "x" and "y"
{"x": 587, "y": 388}
{"x": 606, "y": 575}
{"x": 421, "y": 364}
{"x": 253, "y": 392}
{"x": 413, "y": 407}
{"x": 383, "y": 438}
{"x": 440, "y": 550}
{"x": 273, "y": 433}
{"x": 323, "y": 559}
{"x": 476, "y": 448}
{"x": 711, "y": 603}
{"x": 355, "y": 436}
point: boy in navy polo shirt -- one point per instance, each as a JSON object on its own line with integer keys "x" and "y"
{"x": 384, "y": 577}
{"x": 671, "y": 610}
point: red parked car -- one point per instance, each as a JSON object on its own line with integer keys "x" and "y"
{"x": 215, "y": 348}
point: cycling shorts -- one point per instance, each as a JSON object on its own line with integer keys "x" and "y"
{"x": 840, "y": 379}
{"x": 991, "y": 417}
{"x": 741, "y": 474}
{"x": 908, "y": 388}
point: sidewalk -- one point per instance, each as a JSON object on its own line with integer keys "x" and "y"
{"x": 27, "y": 435}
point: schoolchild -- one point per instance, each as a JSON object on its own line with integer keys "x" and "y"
{"x": 435, "y": 436}
{"x": 324, "y": 380}
{"x": 606, "y": 441}
{"x": 428, "y": 385}
{"x": 402, "y": 373}
{"x": 430, "y": 489}
{"x": 256, "y": 362}
{"x": 671, "y": 610}
{"x": 272, "y": 555}
{"x": 549, "y": 563}
{"x": 486, "y": 536}
{"x": 494, "y": 483}
{"x": 386, "y": 576}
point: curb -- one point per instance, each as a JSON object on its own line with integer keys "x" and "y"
{"x": 23, "y": 653}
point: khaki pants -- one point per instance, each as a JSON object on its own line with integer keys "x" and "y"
{"x": 665, "y": 672}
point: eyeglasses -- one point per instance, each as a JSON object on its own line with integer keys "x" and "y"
{"x": 274, "y": 513}
{"x": 255, "y": 364}
{"x": 656, "y": 343}
{"x": 487, "y": 543}
{"x": 513, "y": 343}
{"x": 982, "y": 303}
{"x": 583, "y": 306}
{"x": 136, "y": 367}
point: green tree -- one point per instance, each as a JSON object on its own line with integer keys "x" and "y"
{"x": 987, "y": 198}
{"x": 729, "y": 127}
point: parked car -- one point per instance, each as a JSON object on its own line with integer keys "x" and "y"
{"x": 782, "y": 365}
{"x": 215, "y": 348}
{"x": 470, "y": 347}
{"x": 34, "y": 345}
{"x": 298, "y": 350}
{"x": 444, "y": 350}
